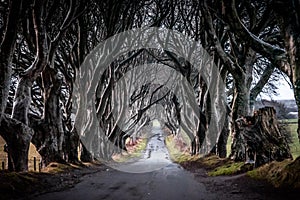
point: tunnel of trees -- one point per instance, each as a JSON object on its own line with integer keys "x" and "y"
{"x": 45, "y": 43}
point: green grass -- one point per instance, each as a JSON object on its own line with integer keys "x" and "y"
{"x": 227, "y": 169}
{"x": 285, "y": 173}
{"x": 176, "y": 153}
{"x": 186, "y": 139}
{"x": 216, "y": 166}
{"x": 280, "y": 174}
{"x": 295, "y": 145}
{"x": 289, "y": 120}
{"x": 179, "y": 147}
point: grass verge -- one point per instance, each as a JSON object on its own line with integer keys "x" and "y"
{"x": 230, "y": 168}
{"x": 285, "y": 174}
{"x": 178, "y": 151}
{"x": 133, "y": 152}
{"x": 213, "y": 164}
{"x": 294, "y": 146}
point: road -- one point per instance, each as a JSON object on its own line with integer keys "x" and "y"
{"x": 153, "y": 176}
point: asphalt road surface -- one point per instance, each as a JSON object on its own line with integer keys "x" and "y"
{"x": 153, "y": 176}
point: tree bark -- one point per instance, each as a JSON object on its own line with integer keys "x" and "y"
{"x": 240, "y": 107}
{"x": 72, "y": 145}
{"x": 259, "y": 139}
{"x": 287, "y": 60}
{"x": 288, "y": 14}
{"x": 17, "y": 136}
{"x": 49, "y": 136}
{"x": 85, "y": 155}
{"x": 7, "y": 49}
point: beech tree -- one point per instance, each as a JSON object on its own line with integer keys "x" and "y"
{"x": 284, "y": 52}
{"x": 44, "y": 52}
{"x": 287, "y": 13}
{"x": 15, "y": 133}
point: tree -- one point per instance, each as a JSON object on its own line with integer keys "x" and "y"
{"x": 8, "y": 43}
{"x": 259, "y": 139}
{"x": 288, "y": 13}
{"x": 18, "y": 143}
{"x": 41, "y": 64}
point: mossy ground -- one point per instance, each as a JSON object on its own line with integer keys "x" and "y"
{"x": 227, "y": 169}
{"x": 285, "y": 174}
{"x": 212, "y": 163}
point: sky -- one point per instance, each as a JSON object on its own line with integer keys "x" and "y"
{"x": 284, "y": 90}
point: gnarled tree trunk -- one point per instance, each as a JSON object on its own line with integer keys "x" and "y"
{"x": 7, "y": 49}
{"x": 17, "y": 136}
{"x": 49, "y": 136}
{"x": 72, "y": 142}
{"x": 288, "y": 13}
{"x": 259, "y": 139}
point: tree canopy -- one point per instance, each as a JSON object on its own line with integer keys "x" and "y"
{"x": 46, "y": 49}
